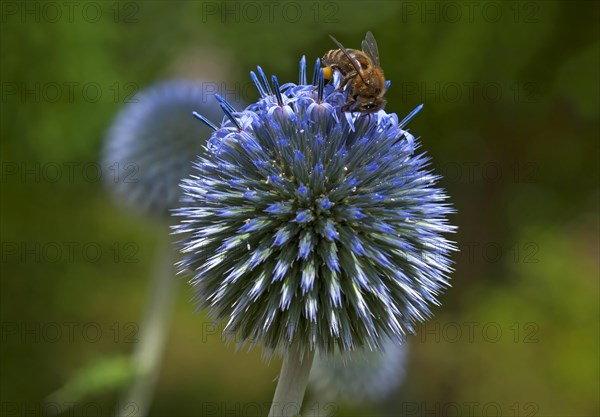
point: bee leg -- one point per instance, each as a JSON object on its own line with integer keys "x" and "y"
{"x": 347, "y": 79}
{"x": 350, "y": 101}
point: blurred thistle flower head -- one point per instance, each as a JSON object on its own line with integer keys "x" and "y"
{"x": 359, "y": 377}
{"x": 152, "y": 142}
{"x": 311, "y": 226}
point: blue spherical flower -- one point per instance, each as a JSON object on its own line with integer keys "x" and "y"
{"x": 151, "y": 144}
{"x": 311, "y": 226}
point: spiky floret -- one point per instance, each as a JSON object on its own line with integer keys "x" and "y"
{"x": 307, "y": 225}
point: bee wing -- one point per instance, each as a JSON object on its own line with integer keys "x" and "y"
{"x": 353, "y": 61}
{"x": 369, "y": 47}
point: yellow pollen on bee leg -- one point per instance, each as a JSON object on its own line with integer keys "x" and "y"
{"x": 327, "y": 73}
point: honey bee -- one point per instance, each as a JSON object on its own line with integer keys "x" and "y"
{"x": 361, "y": 72}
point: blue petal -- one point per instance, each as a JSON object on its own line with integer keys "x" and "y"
{"x": 304, "y": 216}
{"x": 279, "y": 208}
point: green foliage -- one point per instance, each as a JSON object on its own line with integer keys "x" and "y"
{"x": 99, "y": 376}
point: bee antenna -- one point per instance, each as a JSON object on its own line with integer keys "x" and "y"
{"x": 361, "y": 77}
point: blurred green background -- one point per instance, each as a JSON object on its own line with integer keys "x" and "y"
{"x": 511, "y": 93}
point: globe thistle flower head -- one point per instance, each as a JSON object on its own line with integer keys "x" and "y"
{"x": 311, "y": 226}
{"x": 359, "y": 377}
{"x": 150, "y": 146}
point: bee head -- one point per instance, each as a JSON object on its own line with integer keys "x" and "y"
{"x": 367, "y": 104}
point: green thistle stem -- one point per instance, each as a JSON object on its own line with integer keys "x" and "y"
{"x": 291, "y": 386}
{"x": 153, "y": 333}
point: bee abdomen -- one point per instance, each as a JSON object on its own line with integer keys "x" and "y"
{"x": 337, "y": 59}
{"x": 334, "y": 56}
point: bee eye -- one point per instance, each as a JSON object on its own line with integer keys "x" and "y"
{"x": 369, "y": 106}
